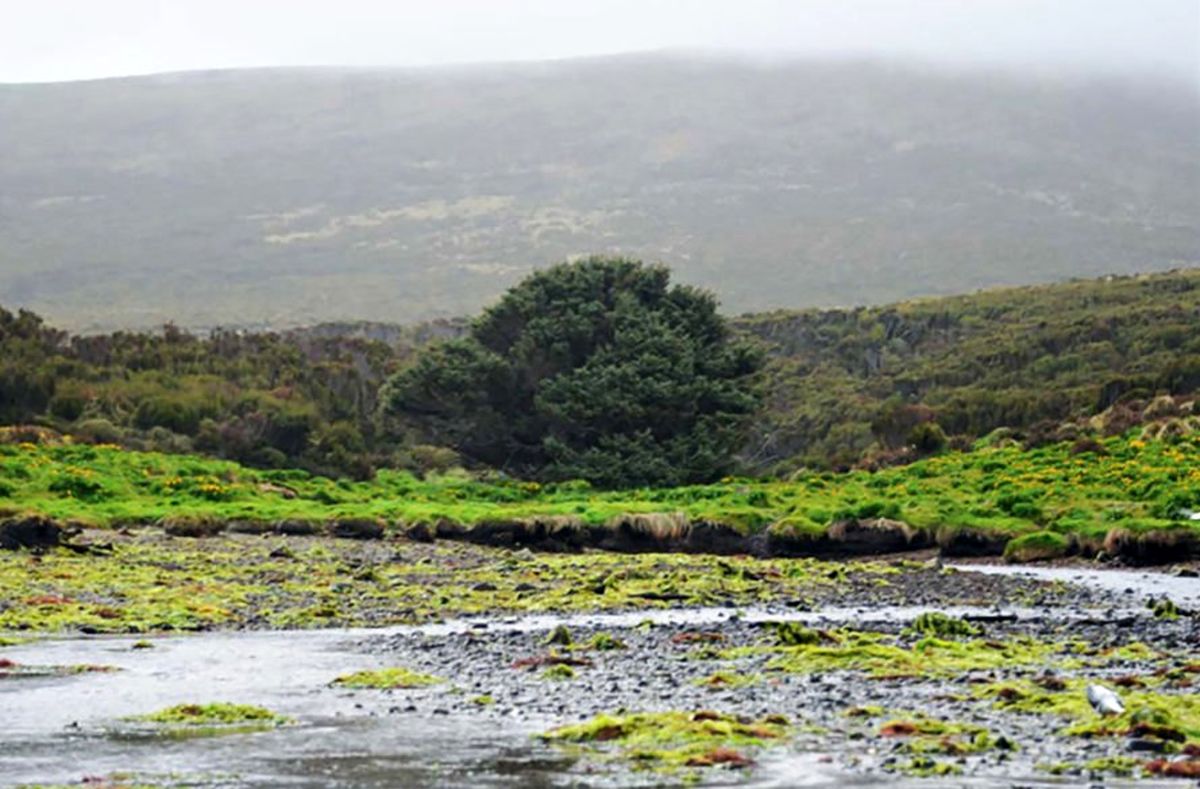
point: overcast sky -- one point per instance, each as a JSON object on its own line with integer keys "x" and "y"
{"x": 48, "y": 40}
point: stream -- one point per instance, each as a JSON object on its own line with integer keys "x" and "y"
{"x": 62, "y": 729}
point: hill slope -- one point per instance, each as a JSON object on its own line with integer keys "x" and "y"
{"x": 285, "y": 197}
{"x": 842, "y": 380}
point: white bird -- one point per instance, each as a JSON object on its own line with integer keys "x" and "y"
{"x": 1104, "y": 701}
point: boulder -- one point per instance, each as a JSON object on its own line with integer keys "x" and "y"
{"x": 29, "y": 531}
{"x": 356, "y": 529}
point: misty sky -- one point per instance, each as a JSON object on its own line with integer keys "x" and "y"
{"x": 52, "y": 40}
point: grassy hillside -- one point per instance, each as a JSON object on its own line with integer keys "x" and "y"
{"x": 285, "y": 197}
{"x": 842, "y": 386}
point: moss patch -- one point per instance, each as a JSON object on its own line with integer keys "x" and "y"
{"x": 939, "y": 625}
{"x": 671, "y": 741}
{"x": 872, "y": 653}
{"x": 209, "y": 720}
{"x": 150, "y": 582}
{"x": 1172, "y": 719}
{"x": 559, "y": 672}
{"x": 395, "y": 678}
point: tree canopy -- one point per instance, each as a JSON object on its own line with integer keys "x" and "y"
{"x": 598, "y": 370}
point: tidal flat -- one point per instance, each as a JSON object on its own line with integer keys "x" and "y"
{"x": 401, "y": 663}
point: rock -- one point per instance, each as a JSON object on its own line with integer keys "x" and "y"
{"x": 282, "y": 490}
{"x": 297, "y": 527}
{"x": 250, "y": 527}
{"x": 189, "y": 526}
{"x": 356, "y": 529}
{"x": 33, "y": 531}
{"x": 560, "y": 636}
{"x": 419, "y": 532}
{"x": 1104, "y": 701}
{"x": 1145, "y": 744}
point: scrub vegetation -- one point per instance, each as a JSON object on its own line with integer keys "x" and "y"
{"x": 869, "y": 387}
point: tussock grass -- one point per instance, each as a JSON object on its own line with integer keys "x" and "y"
{"x": 1129, "y": 500}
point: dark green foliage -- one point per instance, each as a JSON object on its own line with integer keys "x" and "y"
{"x": 264, "y": 399}
{"x": 598, "y": 370}
{"x": 927, "y": 438}
{"x": 889, "y": 381}
{"x": 1024, "y": 358}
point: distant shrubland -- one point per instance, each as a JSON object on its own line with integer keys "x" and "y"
{"x": 869, "y": 386}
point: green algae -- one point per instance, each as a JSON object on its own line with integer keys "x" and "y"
{"x": 939, "y": 625}
{"x": 1172, "y": 719}
{"x": 924, "y": 735}
{"x": 720, "y": 680}
{"x": 803, "y": 650}
{"x": 928, "y": 657}
{"x": 925, "y": 767}
{"x": 559, "y": 636}
{"x": 208, "y": 720}
{"x": 1164, "y": 609}
{"x": 12, "y": 670}
{"x": 151, "y": 583}
{"x": 394, "y": 678}
{"x": 559, "y": 672}
{"x": 672, "y": 741}
{"x": 794, "y": 634}
{"x": 1113, "y": 765}
{"x": 213, "y": 713}
{"x": 605, "y": 642}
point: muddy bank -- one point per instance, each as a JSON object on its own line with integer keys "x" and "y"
{"x": 674, "y": 533}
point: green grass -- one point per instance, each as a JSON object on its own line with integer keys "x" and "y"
{"x": 1138, "y": 486}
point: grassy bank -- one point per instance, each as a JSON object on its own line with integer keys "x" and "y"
{"x": 1055, "y": 499}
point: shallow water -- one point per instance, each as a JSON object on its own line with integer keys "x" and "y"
{"x": 1137, "y": 585}
{"x": 62, "y": 729}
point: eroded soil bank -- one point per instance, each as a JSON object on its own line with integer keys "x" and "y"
{"x": 673, "y": 668}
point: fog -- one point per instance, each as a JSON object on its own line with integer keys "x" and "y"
{"x": 56, "y": 40}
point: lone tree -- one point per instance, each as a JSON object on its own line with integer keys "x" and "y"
{"x": 597, "y": 370}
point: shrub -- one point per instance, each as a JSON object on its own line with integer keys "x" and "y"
{"x": 927, "y": 438}
{"x": 596, "y": 370}
{"x": 79, "y": 485}
{"x": 98, "y": 431}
